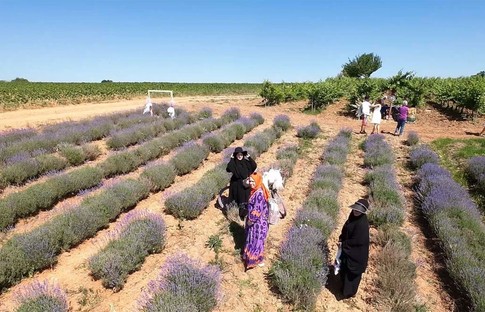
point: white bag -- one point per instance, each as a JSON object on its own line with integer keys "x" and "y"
{"x": 337, "y": 262}
{"x": 274, "y": 211}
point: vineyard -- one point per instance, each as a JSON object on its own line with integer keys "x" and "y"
{"x": 118, "y": 212}
{"x": 14, "y": 95}
{"x": 466, "y": 95}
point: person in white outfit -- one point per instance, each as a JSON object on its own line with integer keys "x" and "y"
{"x": 365, "y": 109}
{"x": 376, "y": 116}
{"x": 148, "y": 107}
{"x": 171, "y": 110}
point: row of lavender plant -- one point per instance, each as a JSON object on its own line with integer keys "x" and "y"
{"x": 44, "y": 195}
{"x": 24, "y": 167}
{"x": 287, "y": 156}
{"x": 190, "y": 202}
{"x": 387, "y": 201}
{"x": 184, "y": 284}
{"x": 35, "y": 250}
{"x": 301, "y": 269}
{"x": 10, "y": 136}
{"x": 456, "y": 221}
{"x": 69, "y": 132}
{"x": 142, "y": 132}
{"x": 137, "y": 235}
{"x": 396, "y": 282}
{"x": 41, "y": 296}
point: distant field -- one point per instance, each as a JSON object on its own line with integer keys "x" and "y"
{"x": 15, "y": 95}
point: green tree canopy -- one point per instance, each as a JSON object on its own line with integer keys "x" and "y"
{"x": 362, "y": 66}
{"x": 20, "y": 80}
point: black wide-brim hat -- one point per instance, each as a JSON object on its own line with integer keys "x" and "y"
{"x": 362, "y": 205}
{"x": 239, "y": 150}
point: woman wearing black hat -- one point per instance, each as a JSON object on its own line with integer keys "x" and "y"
{"x": 354, "y": 241}
{"x": 241, "y": 166}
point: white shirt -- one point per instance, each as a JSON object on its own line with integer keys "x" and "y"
{"x": 148, "y": 107}
{"x": 171, "y": 112}
{"x": 365, "y": 108}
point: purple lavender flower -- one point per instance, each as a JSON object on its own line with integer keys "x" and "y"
{"x": 422, "y": 155}
{"x": 309, "y": 132}
{"x": 183, "y": 280}
{"x": 41, "y": 296}
{"x": 476, "y": 171}
{"x": 282, "y": 121}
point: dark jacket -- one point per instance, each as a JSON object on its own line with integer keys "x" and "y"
{"x": 240, "y": 169}
{"x": 355, "y": 243}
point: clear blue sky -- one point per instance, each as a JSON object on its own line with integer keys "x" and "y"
{"x": 236, "y": 40}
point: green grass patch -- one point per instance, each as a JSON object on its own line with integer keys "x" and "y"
{"x": 454, "y": 154}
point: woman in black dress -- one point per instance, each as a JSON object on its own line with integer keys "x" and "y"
{"x": 354, "y": 241}
{"x": 241, "y": 166}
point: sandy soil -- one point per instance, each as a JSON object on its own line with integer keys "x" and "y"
{"x": 247, "y": 291}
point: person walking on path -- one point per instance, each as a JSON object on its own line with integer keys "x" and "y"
{"x": 376, "y": 117}
{"x": 402, "y": 118}
{"x": 365, "y": 112}
{"x": 171, "y": 110}
{"x": 257, "y": 223}
{"x": 241, "y": 166}
{"x": 148, "y": 107}
{"x": 354, "y": 243}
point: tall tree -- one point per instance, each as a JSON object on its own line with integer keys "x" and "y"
{"x": 362, "y": 66}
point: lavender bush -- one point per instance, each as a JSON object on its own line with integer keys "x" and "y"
{"x": 189, "y": 157}
{"x": 74, "y": 154}
{"x": 377, "y": 151}
{"x": 22, "y": 170}
{"x": 136, "y": 236}
{"x": 423, "y": 155}
{"x": 183, "y": 285}
{"x": 70, "y": 132}
{"x": 45, "y": 195}
{"x": 41, "y": 296}
{"x": 214, "y": 142}
{"x": 231, "y": 114}
{"x": 328, "y": 177}
{"x": 249, "y": 123}
{"x": 189, "y": 203}
{"x": 336, "y": 151}
{"x": 9, "y": 137}
{"x": 205, "y": 112}
{"x": 160, "y": 176}
{"x": 228, "y": 134}
{"x": 475, "y": 170}
{"x": 261, "y": 141}
{"x": 143, "y": 132}
{"x": 413, "y": 138}
{"x": 282, "y": 121}
{"x": 386, "y": 198}
{"x": 309, "y": 132}
{"x": 396, "y": 289}
{"x": 301, "y": 269}
{"x": 288, "y": 152}
{"x": 258, "y": 117}
{"x": 239, "y": 128}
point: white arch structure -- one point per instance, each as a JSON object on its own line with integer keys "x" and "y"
{"x": 161, "y": 91}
